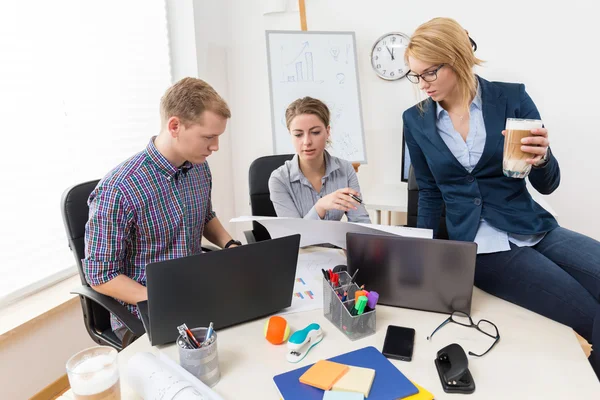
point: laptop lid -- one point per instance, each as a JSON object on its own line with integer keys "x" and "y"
{"x": 225, "y": 287}
{"x": 424, "y": 274}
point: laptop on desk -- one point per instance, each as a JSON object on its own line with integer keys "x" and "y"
{"x": 423, "y": 274}
{"x": 226, "y": 287}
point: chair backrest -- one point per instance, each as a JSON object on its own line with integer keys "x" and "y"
{"x": 412, "y": 208}
{"x": 75, "y": 215}
{"x": 258, "y": 179}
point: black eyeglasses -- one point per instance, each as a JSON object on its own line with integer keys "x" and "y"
{"x": 428, "y": 76}
{"x": 484, "y": 326}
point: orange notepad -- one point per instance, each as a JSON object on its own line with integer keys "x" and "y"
{"x": 323, "y": 374}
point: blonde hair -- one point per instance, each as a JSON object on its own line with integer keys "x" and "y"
{"x": 308, "y": 105}
{"x": 444, "y": 41}
{"x": 188, "y": 99}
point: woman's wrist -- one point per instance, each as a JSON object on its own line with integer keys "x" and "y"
{"x": 320, "y": 209}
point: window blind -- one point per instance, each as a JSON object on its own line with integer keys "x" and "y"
{"x": 80, "y": 86}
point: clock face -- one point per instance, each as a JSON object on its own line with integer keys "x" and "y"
{"x": 387, "y": 56}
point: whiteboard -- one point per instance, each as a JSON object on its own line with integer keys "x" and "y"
{"x": 322, "y": 65}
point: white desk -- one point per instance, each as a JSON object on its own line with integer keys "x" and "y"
{"x": 536, "y": 358}
{"x": 390, "y": 198}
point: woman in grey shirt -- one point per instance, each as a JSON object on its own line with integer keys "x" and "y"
{"x": 314, "y": 184}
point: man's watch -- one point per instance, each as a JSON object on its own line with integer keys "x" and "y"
{"x": 232, "y": 241}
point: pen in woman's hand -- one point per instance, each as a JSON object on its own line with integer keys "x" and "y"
{"x": 355, "y": 198}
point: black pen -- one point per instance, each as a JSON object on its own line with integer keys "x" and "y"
{"x": 325, "y": 274}
{"x": 355, "y": 198}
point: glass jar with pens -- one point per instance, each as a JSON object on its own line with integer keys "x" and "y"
{"x": 347, "y": 306}
{"x": 198, "y": 353}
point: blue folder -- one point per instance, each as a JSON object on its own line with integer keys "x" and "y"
{"x": 389, "y": 382}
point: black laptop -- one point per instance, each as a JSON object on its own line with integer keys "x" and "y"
{"x": 225, "y": 287}
{"x": 423, "y": 274}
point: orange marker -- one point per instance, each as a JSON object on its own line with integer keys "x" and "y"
{"x": 359, "y": 293}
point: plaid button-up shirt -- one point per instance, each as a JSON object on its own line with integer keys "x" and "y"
{"x": 143, "y": 211}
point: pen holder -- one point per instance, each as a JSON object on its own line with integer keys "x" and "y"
{"x": 203, "y": 363}
{"x": 338, "y": 312}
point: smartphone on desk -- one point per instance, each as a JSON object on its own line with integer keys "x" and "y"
{"x": 399, "y": 343}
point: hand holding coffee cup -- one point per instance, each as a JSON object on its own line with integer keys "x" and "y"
{"x": 525, "y": 143}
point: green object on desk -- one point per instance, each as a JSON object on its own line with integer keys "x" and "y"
{"x": 360, "y": 305}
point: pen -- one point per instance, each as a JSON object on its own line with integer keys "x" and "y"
{"x": 209, "y": 332}
{"x": 187, "y": 336}
{"x": 354, "y": 276}
{"x": 192, "y": 338}
{"x": 355, "y": 198}
{"x": 325, "y": 274}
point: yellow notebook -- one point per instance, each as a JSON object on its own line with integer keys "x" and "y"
{"x": 323, "y": 374}
{"x": 357, "y": 379}
{"x": 422, "y": 395}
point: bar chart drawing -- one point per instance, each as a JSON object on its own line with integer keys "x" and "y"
{"x": 299, "y": 71}
{"x": 322, "y": 65}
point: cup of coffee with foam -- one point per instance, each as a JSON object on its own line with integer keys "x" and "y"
{"x": 513, "y": 162}
{"x": 94, "y": 374}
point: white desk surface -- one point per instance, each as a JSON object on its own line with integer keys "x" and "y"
{"x": 394, "y": 197}
{"x": 536, "y": 358}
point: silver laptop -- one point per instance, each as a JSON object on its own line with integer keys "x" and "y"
{"x": 423, "y": 274}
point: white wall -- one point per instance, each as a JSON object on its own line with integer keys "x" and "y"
{"x": 199, "y": 41}
{"x": 34, "y": 355}
{"x": 550, "y": 47}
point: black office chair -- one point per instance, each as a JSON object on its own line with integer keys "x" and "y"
{"x": 413, "y": 207}
{"x": 96, "y": 306}
{"x": 260, "y": 201}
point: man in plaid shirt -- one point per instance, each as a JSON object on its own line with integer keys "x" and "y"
{"x": 156, "y": 205}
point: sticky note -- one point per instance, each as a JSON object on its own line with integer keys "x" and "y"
{"x": 357, "y": 379}
{"x": 343, "y": 396}
{"x": 323, "y": 374}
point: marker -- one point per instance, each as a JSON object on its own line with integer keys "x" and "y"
{"x": 372, "y": 297}
{"x": 358, "y": 294}
{"x": 361, "y": 304}
{"x": 335, "y": 280}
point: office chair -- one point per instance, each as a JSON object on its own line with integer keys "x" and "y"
{"x": 96, "y": 306}
{"x": 260, "y": 201}
{"x": 412, "y": 208}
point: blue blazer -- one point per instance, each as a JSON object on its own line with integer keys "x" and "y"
{"x": 485, "y": 193}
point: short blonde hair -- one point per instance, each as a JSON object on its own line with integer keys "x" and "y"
{"x": 444, "y": 41}
{"x": 188, "y": 99}
{"x": 307, "y": 105}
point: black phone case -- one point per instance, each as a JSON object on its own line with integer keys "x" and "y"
{"x": 401, "y": 357}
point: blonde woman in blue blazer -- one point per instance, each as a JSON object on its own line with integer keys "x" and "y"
{"x": 455, "y": 138}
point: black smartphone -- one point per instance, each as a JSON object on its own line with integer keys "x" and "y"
{"x": 399, "y": 343}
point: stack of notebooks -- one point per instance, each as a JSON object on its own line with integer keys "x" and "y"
{"x": 358, "y": 375}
